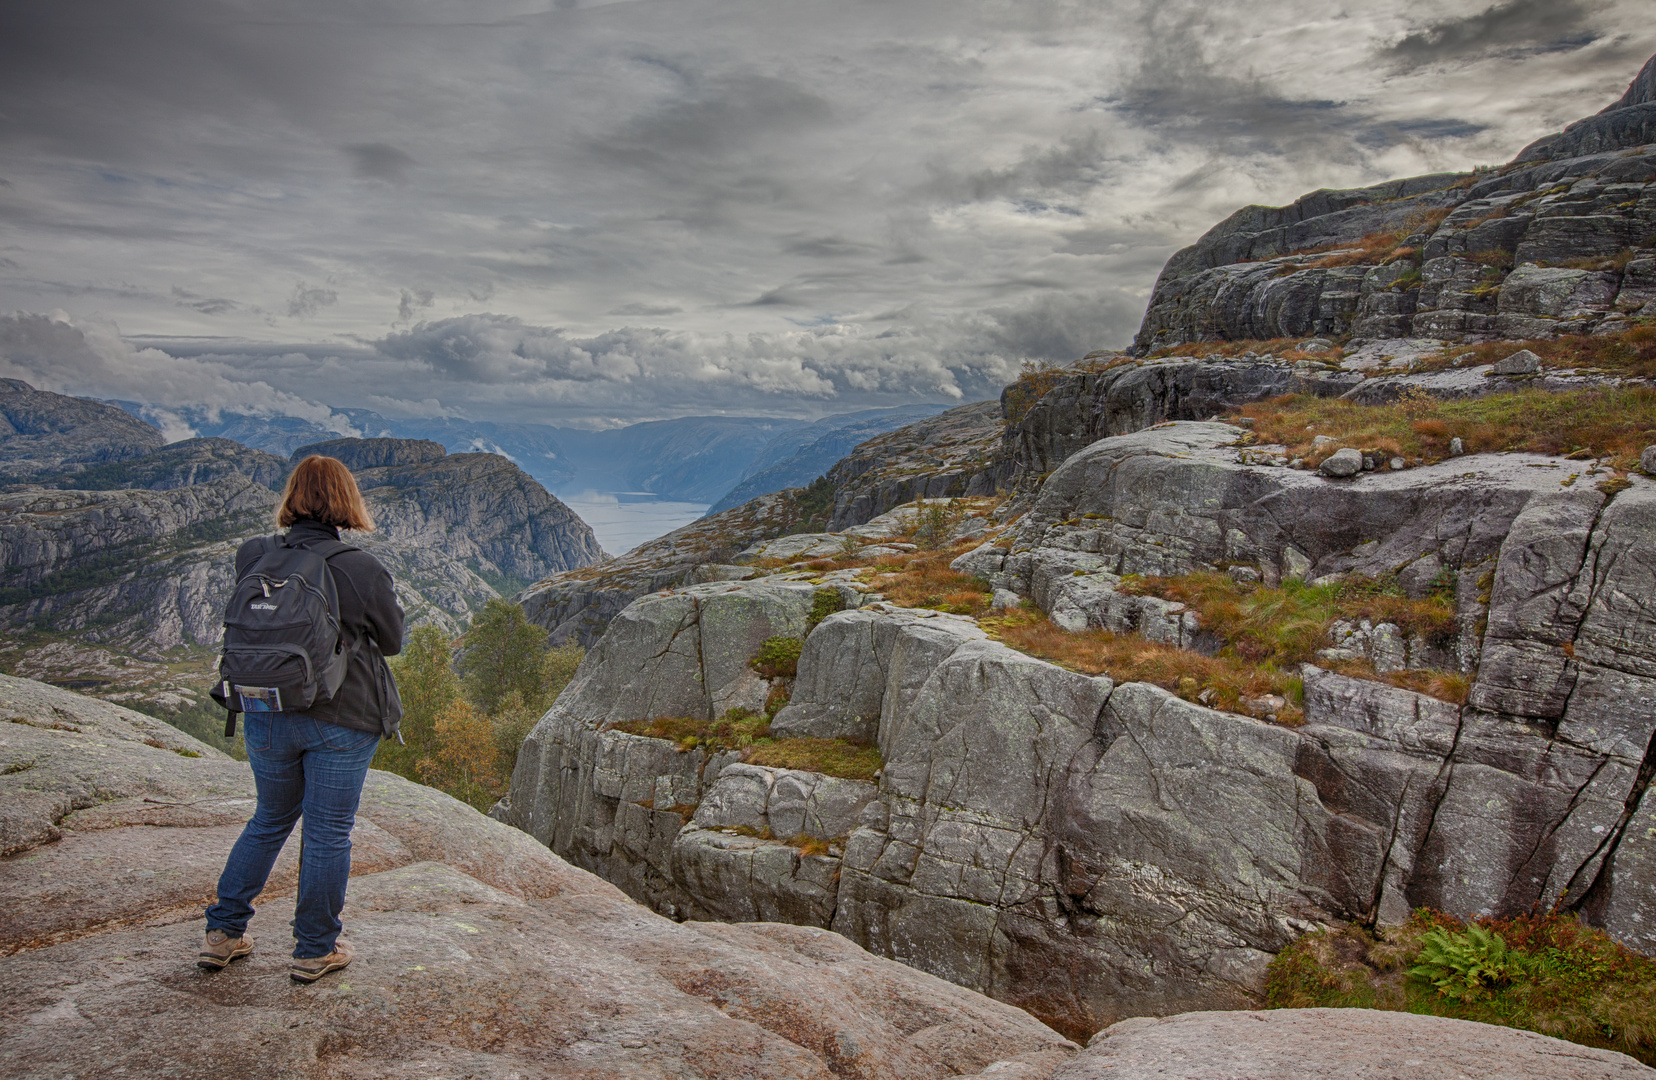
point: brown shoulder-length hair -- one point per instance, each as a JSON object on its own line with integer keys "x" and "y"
{"x": 324, "y": 490}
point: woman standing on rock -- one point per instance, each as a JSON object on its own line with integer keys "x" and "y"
{"x": 308, "y": 761}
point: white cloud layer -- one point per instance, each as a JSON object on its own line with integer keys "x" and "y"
{"x": 615, "y": 211}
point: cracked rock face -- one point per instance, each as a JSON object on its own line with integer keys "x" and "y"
{"x": 479, "y": 952}
{"x": 1092, "y": 851}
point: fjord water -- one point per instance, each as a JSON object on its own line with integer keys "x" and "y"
{"x": 624, "y": 519}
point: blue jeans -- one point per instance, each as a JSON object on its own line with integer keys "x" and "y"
{"x": 301, "y": 766}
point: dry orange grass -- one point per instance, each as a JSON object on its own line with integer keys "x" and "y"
{"x": 1630, "y": 352}
{"x": 1611, "y": 424}
{"x": 923, "y": 579}
{"x": 1219, "y": 682}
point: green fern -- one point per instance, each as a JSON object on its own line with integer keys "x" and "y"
{"x": 1465, "y": 965}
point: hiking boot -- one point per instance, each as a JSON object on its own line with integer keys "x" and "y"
{"x": 312, "y": 968}
{"x": 221, "y": 948}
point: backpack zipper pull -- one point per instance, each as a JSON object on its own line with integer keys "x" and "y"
{"x": 266, "y": 587}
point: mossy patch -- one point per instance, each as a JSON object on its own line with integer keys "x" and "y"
{"x": 748, "y": 732}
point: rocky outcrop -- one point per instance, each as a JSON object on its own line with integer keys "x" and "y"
{"x": 577, "y": 606}
{"x": 951, "y": 454}
{"x": 373, "y": 453}
{"x": 480, "y": 953}
{"x": 1467, "y": 257}
{"x": 1129, "y": 396}
{"x": 1536, "y": 557}
{"x": 43, "y": 433}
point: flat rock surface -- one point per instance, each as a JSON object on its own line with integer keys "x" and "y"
{"x": 1341, "y": 1044}
{"x": 480, "y": 953}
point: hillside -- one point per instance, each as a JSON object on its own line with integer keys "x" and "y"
{"x": 795, "y": 458}
{"x": 115, "y": 575}
{"x": 42, "y": 433}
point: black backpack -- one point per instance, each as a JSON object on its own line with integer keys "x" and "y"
{"x": 282, "y": 647}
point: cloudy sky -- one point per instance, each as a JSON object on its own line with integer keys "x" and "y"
{"x": 601, "y": 212}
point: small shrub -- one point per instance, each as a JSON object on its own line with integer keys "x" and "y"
{"x": 824, "y": 602}
{"x": 778, "y": 657}
{"x": 808, "y": 845}
{"x": 465, "y": 762}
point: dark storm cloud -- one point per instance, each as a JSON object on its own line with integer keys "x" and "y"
{"x": 378, "y": 161}
{"x": 1515, "y": 27}
{"x": 640, "y": 210}
{"x": 717, "y": 117}
{"x": 1077, "y": 162}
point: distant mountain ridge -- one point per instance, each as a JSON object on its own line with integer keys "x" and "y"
{"x": 797, "y": 457}
{"x": 687, "y": 459}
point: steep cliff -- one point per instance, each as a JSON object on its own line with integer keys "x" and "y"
{"x": 1156, "y": 851}
{"x": 1561, "y": 240}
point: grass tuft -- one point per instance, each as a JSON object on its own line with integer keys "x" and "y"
{"x": 1220, "y": 682}
{"x": 924, "y": 580}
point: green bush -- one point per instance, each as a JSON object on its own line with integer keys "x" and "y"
{"x": 501, "y": 653}
{"x": 778, "y": 657}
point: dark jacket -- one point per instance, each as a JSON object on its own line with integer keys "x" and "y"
{"x": 370, "y": 625}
